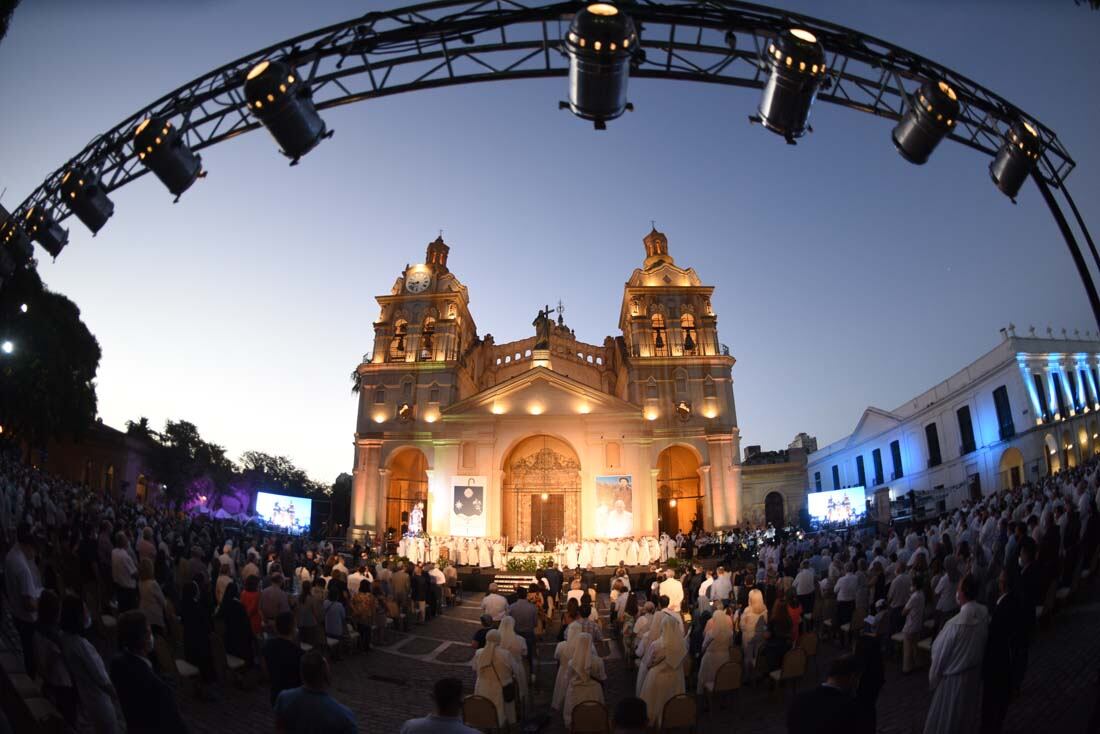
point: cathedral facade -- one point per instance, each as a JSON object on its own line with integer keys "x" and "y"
{"x": 547, "y": 437}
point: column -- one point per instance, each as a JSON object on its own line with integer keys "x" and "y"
{"x": 431, "y": 525}
{"x": 710, "y": 497}
{"x": 364, "y": 489}
{"x": 384, "y": 476}
{"x": 494, "y": 506}
{"x": 653, "y": 506}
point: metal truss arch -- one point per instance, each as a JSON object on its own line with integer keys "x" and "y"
{"x": 450, "y": 42}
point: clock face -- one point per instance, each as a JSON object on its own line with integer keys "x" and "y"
{"x": 418, "y": 281}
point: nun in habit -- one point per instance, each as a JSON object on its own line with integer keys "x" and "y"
{"x": 484, "y": 553}
{"x": 644, "y": 649}
{"x": 564, "y": 654}
{"x": 716, "y": 649}
{"x": 753, "y": 621}
{"x": 584, "y": 676}
{"x": 516, "y": 647}
{"x": 665, "y": 671}
{"x": 493, "y": 666}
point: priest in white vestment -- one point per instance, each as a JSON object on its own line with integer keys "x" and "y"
{"x": 956, "y": 672}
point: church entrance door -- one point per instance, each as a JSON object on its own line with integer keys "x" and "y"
{"x": 542, "y": 489}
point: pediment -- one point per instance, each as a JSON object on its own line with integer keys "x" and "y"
{"x": 540, "y": 391}
{"x": 664, "y": 274}
{"x": 873, "y": 422}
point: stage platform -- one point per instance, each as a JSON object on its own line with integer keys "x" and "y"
{"x": 478, "y": 579}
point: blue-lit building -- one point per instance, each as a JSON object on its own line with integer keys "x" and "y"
{"x": 1028, "y": 407}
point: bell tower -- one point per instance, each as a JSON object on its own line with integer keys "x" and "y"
{"x": 679, "y": 373}
{"x": 437, "y": 255}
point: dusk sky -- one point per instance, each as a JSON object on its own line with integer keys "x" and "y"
{"x": 845, "y": 277}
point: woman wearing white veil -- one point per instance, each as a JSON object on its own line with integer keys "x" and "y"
{"x": 716, "y": 648}
{"x": 564, "y": 653}
{"x": 752, "y": 622}
{"x": 665, "y": 676}
{"x": 516, "y": 646}
{"x": 644, "y": 649}
{"x": 584, "y": 675}
{"x": 494, "y": 671}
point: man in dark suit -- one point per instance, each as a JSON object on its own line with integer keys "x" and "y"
{"x": 554, "y": 580}
{"x": 831, "y": 708}
{"x": 1006, "y": 628}
{"x": 1029, "y": 595}
{"x": 147, "y": 702}
{"x": 283, "y": 656}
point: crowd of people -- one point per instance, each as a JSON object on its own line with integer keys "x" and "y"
{"x": 96, "y": 584}
{"x": 106, "y": 593}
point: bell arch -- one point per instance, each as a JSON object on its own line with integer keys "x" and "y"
{"x": 680, "y": 493}
{"x": 408, "y": 485}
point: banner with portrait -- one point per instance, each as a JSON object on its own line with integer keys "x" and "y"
{"x": 614, "y": 506}
{"x": 468, "y": 506}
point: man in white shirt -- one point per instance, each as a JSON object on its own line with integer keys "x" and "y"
{"x": 495, "y": 605}
{"x": 722, "y": 587}
{"x": 674, "y": 590}
{"x": 846, "y": 588}
{"x": 21, "y": 590}
{"x": 804, "y": 583}
{"x": 897, "y": 595}
{"x": 124, "y": 574}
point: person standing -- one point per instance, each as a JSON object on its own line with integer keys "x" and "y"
{"x": 831, "y": 708}
{"x": 22, "y": 587}
{"x": 872, "y": 675}
{"x": 124, "y": 573}
{"x": 147, "y": 703}
{"x": 914, "y": 624}
{"x": 283, "y": 657}
{"x": 309, "y": 708}
{"x": 1006, "y": 628}
{"x": 956, "y": 671}
{"x": 447, "y": 717}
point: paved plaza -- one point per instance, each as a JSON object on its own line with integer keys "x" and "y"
{"x": 392, "y": 682}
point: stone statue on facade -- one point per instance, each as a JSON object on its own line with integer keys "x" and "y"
{"x": 542, "y": 324}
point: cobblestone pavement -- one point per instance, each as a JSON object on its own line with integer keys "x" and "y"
{"x": 392, "y": 683}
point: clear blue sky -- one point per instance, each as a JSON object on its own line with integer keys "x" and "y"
{"x": 845, "y": 276}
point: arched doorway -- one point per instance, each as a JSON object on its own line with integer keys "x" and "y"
{"x": 408, "y": 486}
{"x": 542, "y": 491}
{"x": 1094, "y": 436}
{"x": 1054, "y": 463}
{"x": 774, "y": 514}
{"x": 1011, "y": 469}
{"x": 679, "y": 493}
{"x": 1069, "y": 456}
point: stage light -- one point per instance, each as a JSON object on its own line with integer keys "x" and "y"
{"x": 7, "y": 347}
{"x": 83, "y": 193}
{"x": 284, "y": 104}
{"x": 931, "y": 116}
{"x": 797, "y": 62}
{"x": 600, "y": 43}
{"x": 162, "y": 149}
{"x": 44, "y": 230}
{"x": 1018, "y": 154}
{"x": 15, "y": 243}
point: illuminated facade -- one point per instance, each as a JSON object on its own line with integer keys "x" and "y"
{"x": 547, "y": 436}
{"x": 1027, "y": 408}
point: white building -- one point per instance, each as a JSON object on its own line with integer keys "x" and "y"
{"x": 1028, "y": 407}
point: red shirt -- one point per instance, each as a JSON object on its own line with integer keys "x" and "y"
{"x": 251, "y": 602}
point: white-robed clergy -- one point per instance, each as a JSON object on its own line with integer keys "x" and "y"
{"x": 484, "y": 553}
{"x": 493, "y": 666}
{"x": 584, "y": 676}
{"x": 644, "y": 647}
{"x": 665, "y": 674}
{"x": 956, "y": 672}
{"x": 716, "y": 649}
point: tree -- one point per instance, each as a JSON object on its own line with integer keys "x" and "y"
{"x": 264, "y": 472}
{"x": 139, "y": 428}
{"x": 7, "y": 10}
{"x": 340, "y": 493}
{"x": 47, "y": 381}
{"x": 190, "y": 466}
